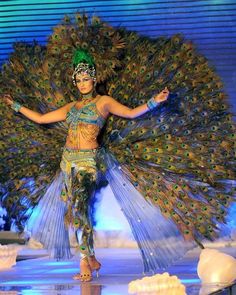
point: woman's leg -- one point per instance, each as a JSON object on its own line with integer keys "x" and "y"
{"x": 80, "y": 173}
{"x": 84, "y": 185}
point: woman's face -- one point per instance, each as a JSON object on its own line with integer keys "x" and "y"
{"x": 84, "y": 83}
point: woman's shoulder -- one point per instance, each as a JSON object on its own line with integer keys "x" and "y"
{"x": 69, "y": 105}
{"x": 102, "y": 103}
{"x": 105, "y": 98}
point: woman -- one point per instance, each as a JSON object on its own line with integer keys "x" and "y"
{"x": 85, "y": 117}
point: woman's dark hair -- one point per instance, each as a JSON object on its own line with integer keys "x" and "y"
{"x": 101, "y": 88}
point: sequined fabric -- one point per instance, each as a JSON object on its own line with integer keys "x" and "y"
{"x": 80, "y": 174}
{"x": 84, "y": 125}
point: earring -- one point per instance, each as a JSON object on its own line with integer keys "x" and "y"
{"x": 73, "y": 80}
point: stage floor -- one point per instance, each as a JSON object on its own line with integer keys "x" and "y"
{"x": 35, "y": 273}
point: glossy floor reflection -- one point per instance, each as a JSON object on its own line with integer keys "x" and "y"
{"x": 37, "y": 274}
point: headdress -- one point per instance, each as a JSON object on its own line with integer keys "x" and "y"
{"x": 83, "y": 63}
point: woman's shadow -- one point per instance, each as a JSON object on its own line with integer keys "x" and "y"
{"x": 86, "y": 288}
{"x": 90, "y": 289}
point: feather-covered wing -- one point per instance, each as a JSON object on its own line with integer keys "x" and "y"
{"x": 182, "y": 155}
{"x": 30, "y": 153}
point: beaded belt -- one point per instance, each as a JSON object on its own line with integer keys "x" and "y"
{"x": 80, "y": 159}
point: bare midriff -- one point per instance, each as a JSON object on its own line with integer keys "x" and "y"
{"x": 84, "y": 137}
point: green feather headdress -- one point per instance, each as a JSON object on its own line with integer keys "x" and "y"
{"x": 82, "y": 56}
{"x": 83, "y": 63}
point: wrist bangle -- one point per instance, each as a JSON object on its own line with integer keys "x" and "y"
{"x": 16, "y": 106}
{"x": 152, "y": 104}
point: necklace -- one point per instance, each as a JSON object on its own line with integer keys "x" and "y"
{"x": 87, "y": 96}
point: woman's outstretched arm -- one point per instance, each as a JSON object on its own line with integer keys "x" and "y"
{"x": 50, "y": 117}
{"x": 114, "y": 107}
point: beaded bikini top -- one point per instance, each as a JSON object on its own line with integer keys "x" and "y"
{"x": 87, "y": 114}
{"x": 84, "y": 125}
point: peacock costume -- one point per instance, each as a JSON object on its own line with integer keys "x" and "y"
{"x": 172, "y": 170}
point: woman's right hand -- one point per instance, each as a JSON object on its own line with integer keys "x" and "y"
{"x": 7, "y": 98}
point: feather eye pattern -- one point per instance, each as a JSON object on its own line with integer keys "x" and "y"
{"x": 30, "y": 153}
{"x": 26, "y": 168}
{"x": 102, "y": 41}
{"x": 181, "y": 156}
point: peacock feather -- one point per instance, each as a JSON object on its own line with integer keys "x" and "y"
{"x": 181, "y": 156}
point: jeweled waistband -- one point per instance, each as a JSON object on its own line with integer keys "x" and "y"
{"x": 78, "y": 158}
{"x": 80, "y": 151}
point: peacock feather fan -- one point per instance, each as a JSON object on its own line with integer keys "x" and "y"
{"x": 28, "y": 161}
{"x": 181, "y": 156}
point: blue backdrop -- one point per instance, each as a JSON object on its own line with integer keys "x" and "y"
{"x": 211, "y": 24}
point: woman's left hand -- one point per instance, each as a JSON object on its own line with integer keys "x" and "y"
{"x": 162, "y": 96}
